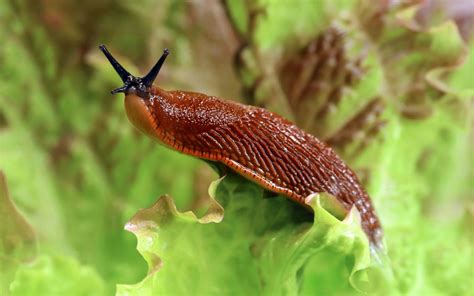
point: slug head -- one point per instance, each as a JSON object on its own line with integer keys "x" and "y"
{"x": 137, "y": 91}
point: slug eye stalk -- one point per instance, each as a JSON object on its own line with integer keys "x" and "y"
{"x": 151, "y": 76}
{"x": 139, "y": 84}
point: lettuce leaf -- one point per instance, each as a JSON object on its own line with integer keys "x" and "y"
{"x": 56, "y": 275}
{"x": 260, "y": 246}
{"x": 17, "y": 238}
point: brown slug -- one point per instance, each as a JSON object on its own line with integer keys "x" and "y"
{"x": 256, "y": 143}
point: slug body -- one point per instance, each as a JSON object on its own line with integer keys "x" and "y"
{"x": 254, "y": 142}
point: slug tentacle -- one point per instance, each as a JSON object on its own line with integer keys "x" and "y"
{"x": 124, "y": 75}
{"x": 119, "y": 90}
{"x": 133, "y": 84}
{"x": 151, "y": 76}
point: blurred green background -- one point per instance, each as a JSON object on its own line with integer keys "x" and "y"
{"x": 388, "y": 85}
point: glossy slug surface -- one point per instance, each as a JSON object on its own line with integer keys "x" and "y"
{"x": 258, "y": 144}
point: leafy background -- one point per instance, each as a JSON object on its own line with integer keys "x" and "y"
{"x": 388, "y": 85}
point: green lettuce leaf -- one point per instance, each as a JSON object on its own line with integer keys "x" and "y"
{"x": 260, "y": 246}
{"x": 17, "y": 238}
{"x": 55, "y": 275}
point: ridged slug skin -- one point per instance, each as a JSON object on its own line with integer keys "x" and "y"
{"x": 256, "y": 143}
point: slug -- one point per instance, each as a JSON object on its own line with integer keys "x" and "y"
{"x": 254, "y": 142}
